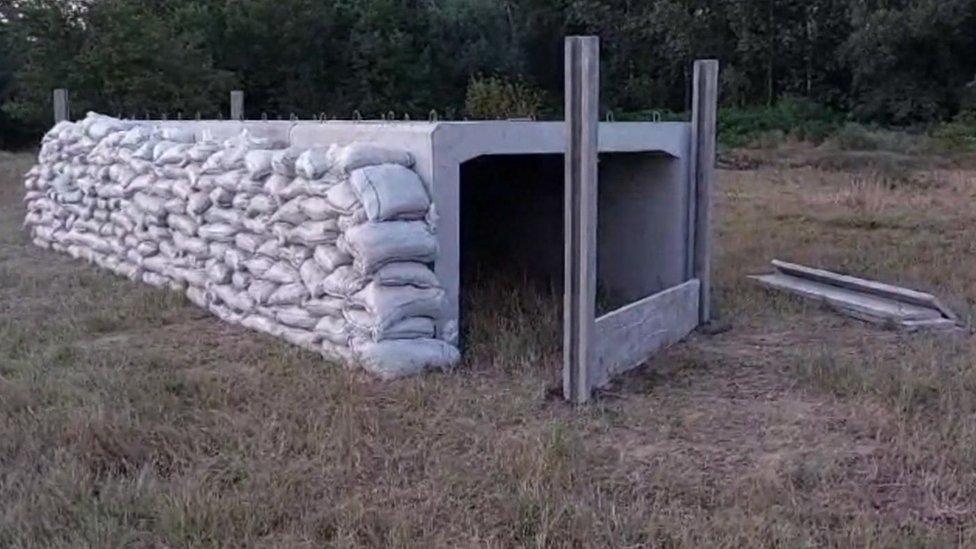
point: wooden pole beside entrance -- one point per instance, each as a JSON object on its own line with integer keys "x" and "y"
{"x": 62, "y": 111}
{"x": 582, "y": 100}
{"x": 703, "y": 124}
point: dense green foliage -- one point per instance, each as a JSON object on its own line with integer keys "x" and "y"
{"x": 891, "y": 62}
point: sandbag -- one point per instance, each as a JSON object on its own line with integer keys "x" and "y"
{"x": 373, "y": 245}
{"x": 361, "y": 323}
{"x": 390, "y": 304}
{"x": 389, "y": 192}
{"x": 330, "y": 257}
{"x": 333, "y": 329}
{"x": 394, "y": 359}
{"x": 313, "y": 163}
{"x": 359, "y": 155}
{"x": 406, "y": 273}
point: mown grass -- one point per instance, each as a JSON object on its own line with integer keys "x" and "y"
{"x": 129, "y": 418}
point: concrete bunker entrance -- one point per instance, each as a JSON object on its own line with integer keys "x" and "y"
{"x": 512, "y": 249}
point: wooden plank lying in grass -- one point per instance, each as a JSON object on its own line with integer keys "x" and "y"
{"x": 862, "y": 299}
{"x": 865, "y": 286}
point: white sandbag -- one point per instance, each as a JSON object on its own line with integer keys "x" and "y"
{"x": 258, "y": 265}
{"x": 261, "y": 290}
{"x": 296, "y": 317}
{"x": 160, "y": 149}
{"x": 198, "y": 203}
{"x": 343, "y": 282}
{"x": 342, "y": 199}
{"x": 151, "y": 205}
{"x": 182, "y": 189}
{"x": 226, "y": 313}
{"x": 218, "y": 272}
{"x": 182, "y": 223}
{"x": 241, "y": 281}
{"x": 218, "y": 232}
{"x": 171, "y": 155}
{"x": 249, "y": 242}
{"x": 333, "y": 329}
{"x": 283, "y": 161}
{"x": 241, "y": 200}
{"x": 288, "y": 294}
{"x": 390, "y": 304}
{"x": 260, "y": 204}
{"x": 291, "y": 212}
{"x": 316, "y": 208}
{"x": 282, "y": 273}
{"x": 358, "y": 155}
{"x": 258, "y": 225}
{"x": 331, "y": 257}
{"x": 262, "y": 324}
{"x": 234, "y": 258}
{"x": 191, "y": 245}
{"x": 394, "y": 359}
{"x": 406, "y": 273}
{"x": 224, "y": 215}
{"x": 139, "y": 183}
{"x": 373, "y": 245}
{"x": 155, "y": 279}
{"x": 198, "y": 296}
{"x": 226, "y": 293}
{"x": 175, "y": 206}
{"x": 270, "y": 248}
{"x": 362, "y": 323}
{"x": 147, "y": 248}
{"x": 390, "y": 191}
{"x": 313, "y": 163}
{"x": 313, "y": 276}
{"x": 295, "y": 255}
{"x": 202, "y": 151}
{"x": 222, "y": 197}
{"x": 178, "y": 134}
{"x": 312, "y": 233}
{"x": 258, "y": 163}
{"x": 275, "y": 183}
{"x": 135, "y": 136}
{"x": 325, "y": 306}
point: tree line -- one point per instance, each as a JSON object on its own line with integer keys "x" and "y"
{"x": 893, "y": 62}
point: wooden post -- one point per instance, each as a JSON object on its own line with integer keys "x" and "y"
{"x": 237, "y": 105}
{"x": 62, "y": 111}
{"x": 582, "y": 98}
{"x": 703, "y": 123}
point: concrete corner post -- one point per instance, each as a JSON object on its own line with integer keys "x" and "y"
{"x": 703, "y": 143}
{"x": 582, "y": 98}
{"x": 62, "y": 111}
{"x": 237, "y": 105}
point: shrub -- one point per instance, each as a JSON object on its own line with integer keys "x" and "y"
{"x": 494, "y": 97}
{"x": 790, "y": 117}
{"x": 857, "y": 137}
{"x": 958, "y": 135}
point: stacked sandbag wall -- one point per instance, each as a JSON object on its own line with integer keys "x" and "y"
{"x": 329, "y": 248}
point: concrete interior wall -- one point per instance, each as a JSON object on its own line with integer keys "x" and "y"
{"x": 512, "y": 223}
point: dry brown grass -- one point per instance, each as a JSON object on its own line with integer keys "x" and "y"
{"x": 129, "y": 418}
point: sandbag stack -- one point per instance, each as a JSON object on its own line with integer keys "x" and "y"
{"x": 329, "y": 248}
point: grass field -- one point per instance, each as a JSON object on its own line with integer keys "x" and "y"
{"x": 130, "y": 418}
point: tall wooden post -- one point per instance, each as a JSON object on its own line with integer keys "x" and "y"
{"x": 703, "y": 123}
{"x": 582, "y": 97}
{"x": 62, "y": 111}
{"x": 237, "y": 105}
